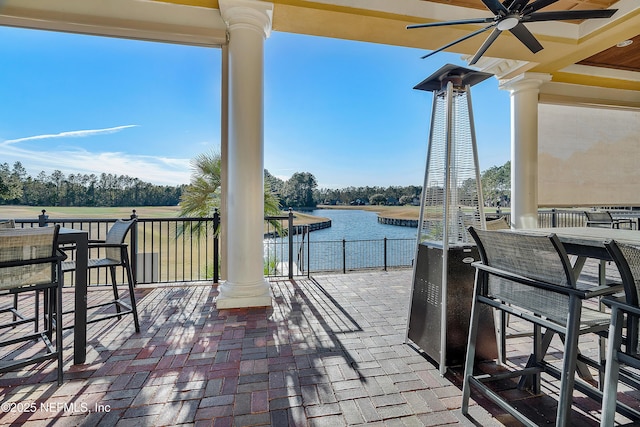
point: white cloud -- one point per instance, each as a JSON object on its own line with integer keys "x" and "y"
{"x": 154, "y": 169}
{"x": 71, "y": 134}
{"x": 73, "y": 160}
{"x": 158, "y": 170}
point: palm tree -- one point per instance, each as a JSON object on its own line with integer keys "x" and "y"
{"x": 202, "y": 196}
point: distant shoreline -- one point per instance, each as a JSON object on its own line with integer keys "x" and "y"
{"x": 400, "y": 216}
{"x": 388, "y": 212}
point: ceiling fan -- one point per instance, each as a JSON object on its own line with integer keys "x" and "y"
{"x": 512, "y": 15}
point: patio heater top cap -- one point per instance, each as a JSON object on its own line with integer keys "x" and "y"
{"x": 460, "y": 76}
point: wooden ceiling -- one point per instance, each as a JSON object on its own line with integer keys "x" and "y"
{"x": 620, "y": 58}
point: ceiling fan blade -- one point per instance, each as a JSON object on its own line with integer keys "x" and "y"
{"x": 495, "y": 6}
{"x": 537, "y": 5}
{"x": 564, "y": 15}
{"x": 517, "y": 5}
{"x": 527, "y": 39}
{"x": 488, "y": 42}
{"x": 468, "y": 36}
{"x": 458, "y": 22}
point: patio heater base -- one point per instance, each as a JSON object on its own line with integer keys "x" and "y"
{"x": 426, "y": 320}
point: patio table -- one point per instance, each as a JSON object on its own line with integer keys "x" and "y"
{"x": 588, "y": 242}
{"x": 81, "y": 240}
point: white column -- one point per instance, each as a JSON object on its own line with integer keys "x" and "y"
{"x": 224, "y": 159}
{"x": 524, "y": 147}
{"x": 249, "y": 24}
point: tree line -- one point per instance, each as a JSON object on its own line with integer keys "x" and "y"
{"x": 57, "y": 189}
{"x": 301, "y": 190}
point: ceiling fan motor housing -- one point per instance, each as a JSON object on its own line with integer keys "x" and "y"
{"x": 508, "y": 22}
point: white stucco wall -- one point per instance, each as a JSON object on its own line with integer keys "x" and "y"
{"x": 588, "y": 156}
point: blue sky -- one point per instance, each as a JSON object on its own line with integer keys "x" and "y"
{"x": 344, "y": 111}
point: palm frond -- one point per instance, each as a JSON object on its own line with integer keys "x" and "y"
{"x": 202, "y": 196}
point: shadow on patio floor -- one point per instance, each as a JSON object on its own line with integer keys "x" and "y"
{"x": 330, "y": 351}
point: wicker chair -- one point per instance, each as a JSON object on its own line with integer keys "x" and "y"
{"x": 623, "y": 346}
{"x": 30, "y": 262}
{"x": 115, "y": 255}
{"x": 530, "y": 276}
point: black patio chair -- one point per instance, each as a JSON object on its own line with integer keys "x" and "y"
{"x": 30, "y": 262}
{"x": 115, "y": 254}
{"x": 530, "y": 277}
{"x": 603, "y": 219}
{"x": 623, "y": 347}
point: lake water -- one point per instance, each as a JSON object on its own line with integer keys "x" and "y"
{"x": 364, "y": 244}
{"x": 358, "y": 225}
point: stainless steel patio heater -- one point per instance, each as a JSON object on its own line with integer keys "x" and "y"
{"x": 451, "y": 202}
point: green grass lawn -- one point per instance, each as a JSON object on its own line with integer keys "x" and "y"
{"x": 24, "y": 212}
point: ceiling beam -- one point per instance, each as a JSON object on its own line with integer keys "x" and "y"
{"x": 135, "y": 19}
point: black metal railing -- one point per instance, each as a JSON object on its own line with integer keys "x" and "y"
{"x": 187, "y": 249}
{"x": 177, "y": 249}
{"x": 281, "y": 244}
{"x": 552, "y": 217}
{"x": 290, "y": 251}
{"x": 348, "y": 255}
{"x": 160, "y": 249}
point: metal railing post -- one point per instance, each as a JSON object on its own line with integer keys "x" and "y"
{"x": 554, "y": 217}
{"x": 216, "y": 249}
{"x": 385, "y": 254}
{"x": 42, "y": 219}
{"x": 290, "y": 243}
{"x": 308, "y": 252}
{"x": 134, "y": 247}
{"x": 344, "y": 256}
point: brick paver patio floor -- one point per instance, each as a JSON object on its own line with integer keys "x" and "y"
{"x": 331, "y": 351}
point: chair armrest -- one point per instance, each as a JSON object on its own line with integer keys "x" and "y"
{"x": 525, "y": 280}
{"x": 107, "y": 245}
{"x": 623, "y": 220}
{"x": 603, "y": 290}
{"x": 61, "y": 256}
{"x": 621, "y": 304}
{"x": 597, "y": 222}
{"x": 630, "y": 221}
{"x": 95, "y": 244}
{"x": 19, "y": 263}
{"x": 591, "y": 292}
{"x": 73, "y": 246}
